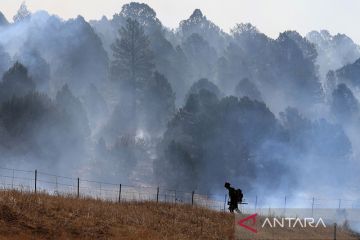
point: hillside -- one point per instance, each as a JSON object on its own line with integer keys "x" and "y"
{"x": 25, "y": 216}
{"x": 30, "y": 216}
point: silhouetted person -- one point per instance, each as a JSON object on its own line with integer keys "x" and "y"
{"x": 235, "y": 197}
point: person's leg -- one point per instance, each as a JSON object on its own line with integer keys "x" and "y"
{"x": 232, "y": 207}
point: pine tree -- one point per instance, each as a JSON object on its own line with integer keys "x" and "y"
{"x": 22, "y": 14}
{"x": 133, "y": 57}
{"x": 16, "y": 82}
{"x": 157, "y": 103}
{"x": 132, "y": 65}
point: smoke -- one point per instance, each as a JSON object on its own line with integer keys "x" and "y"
{"x": 262, "y": 113}
{"x": 333, "y": 51}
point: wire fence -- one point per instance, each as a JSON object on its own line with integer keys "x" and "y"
{"x": 38, "y": 181}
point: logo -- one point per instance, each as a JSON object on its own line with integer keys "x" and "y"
{"x": 279, "y": 222}
{"x": 247, "y": 227}
{"x": 309, "y": 223}
{"x": 293, "y": 222}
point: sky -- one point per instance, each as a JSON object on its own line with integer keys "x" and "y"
{"x": 270, "y": 16}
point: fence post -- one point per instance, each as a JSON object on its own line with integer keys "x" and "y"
{"x": 312, "y": 207}
{"x": 225, "y": 202}
{"x": 175, "y": 196}
{"x": 192, "y": 197}
{"x": 334, "y": 231}
{"x": 78, "y": 187}
{"x": 56, "y": 184}
{"x": 100, "y": 190}
{"x": 35, "y": 180}
{"x": 339, "y": 203}
{"x": 256, "y": 200}
{"x": 285, "y": 205}
{"x": 157, "y": 194}
{"x": 12, "y": 180}
{"x": 120, "y": 193}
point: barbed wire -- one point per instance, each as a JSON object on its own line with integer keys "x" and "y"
{"x": 39, "y": 180}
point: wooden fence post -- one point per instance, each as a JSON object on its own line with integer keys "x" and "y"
{"x": 12, "y": 180}
{"x": 192, "y": 197}
{"x": 120, "y": 193}
{"x": 157, "y": 194}
{"x": 56, "y": 185}
{"x": 78, "y": 187}
{"x": 312, "y": 207}
{"x": 256, "y": 200}
{"x": 334, "y": 231}
{"x": 35, "y": 180}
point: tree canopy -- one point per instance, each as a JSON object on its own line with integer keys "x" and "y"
{"x": 133, "y": 60}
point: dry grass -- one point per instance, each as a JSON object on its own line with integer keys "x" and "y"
{"x": 30, "y": 216}
{"x": 40, "y": 216}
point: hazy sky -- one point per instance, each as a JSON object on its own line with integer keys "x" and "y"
{"x": 270, "y": 16}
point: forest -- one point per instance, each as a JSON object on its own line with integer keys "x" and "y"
{"x": 130, "y": 100}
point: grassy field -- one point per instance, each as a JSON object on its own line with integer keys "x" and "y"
{"x": 30, "y": 216}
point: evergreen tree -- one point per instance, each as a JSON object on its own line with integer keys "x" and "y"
{"x": 349, "y": 74}
{"x": 247, "y": 88}
{"x": 38, "y": 67}
{"x": 95, "y": 106}
{"x": 133, "y": 59}
{"x": 22, "y": 14}
{"x": 157, "y": 103}
{"x": 199, "y": 24}
{"x": 210, "y": 139}
{"x": 16, "y": 82}
{"x": 3, "y": 20}
{"x": 142, "y": 13}
{"x": 132, "y": 65}
{"x": 201, "y": 55}
{"x": 204, "y": 84}
{"x": 4, "y": 60}
{"x": 67, "y": 102}
{"x": 344, "y": 105}
{"x": 39, "y": 132}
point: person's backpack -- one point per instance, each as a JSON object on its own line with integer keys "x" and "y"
{"x": 239, "y": 195}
